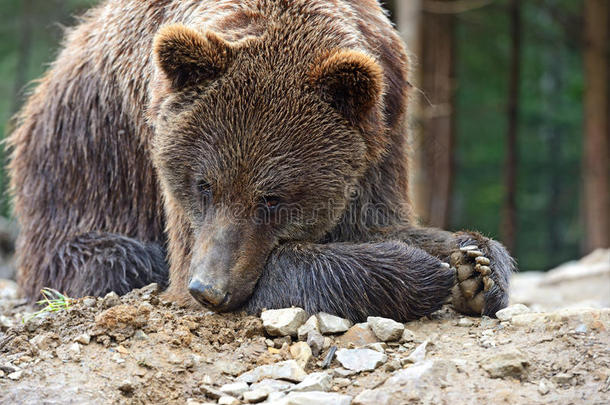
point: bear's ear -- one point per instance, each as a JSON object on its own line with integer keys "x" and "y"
{"x": 350, "y": 81}
{"x": 188, "y": 58}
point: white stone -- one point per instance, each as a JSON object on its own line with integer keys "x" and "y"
{"x": 84, "y": 339}
{"x": 301, "y": 353}
{"x": 255, "y": 396}
{"x": 314, "y": 397}
{"x": 418, "y": 355}
{"x": 269, "y": 385}
{"x": 321, "y": 381}
{"x": 15, "y": 375}
{"x": 228, "y": 400}
{"x": 387, "y": 330}
{"x": 507, "y": 313}
{"x": 283, "y": 322}
{"x": 235, "y": 389}
{"x": 311, "y": 324}
{"x": 360, "y": 359}
{"x": 332, "y": 324}
{"x": 407, "y": 336}
{"x": 284, "y": 370}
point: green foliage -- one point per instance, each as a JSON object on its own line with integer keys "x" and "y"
{"x": 550, "y": 128}
{"x": 53, "y": 301}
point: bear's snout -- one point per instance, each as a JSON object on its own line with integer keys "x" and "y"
{"x": 208, "y": 295}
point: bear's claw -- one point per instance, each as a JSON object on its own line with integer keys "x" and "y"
{"x": 473, "y": 279}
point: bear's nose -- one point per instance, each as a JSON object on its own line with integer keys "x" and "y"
{"x": 206, "y": 294}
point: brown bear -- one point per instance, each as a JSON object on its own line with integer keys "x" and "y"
{"x": 259, "y": 143}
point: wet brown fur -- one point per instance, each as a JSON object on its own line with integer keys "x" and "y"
{"x": 111, "y": 142}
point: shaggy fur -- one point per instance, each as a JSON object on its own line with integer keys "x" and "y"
{"x": 176, "y": 123}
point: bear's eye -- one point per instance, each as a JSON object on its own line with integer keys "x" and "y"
{"x": 271, "y": 203}
{"x": 204, "y": 189}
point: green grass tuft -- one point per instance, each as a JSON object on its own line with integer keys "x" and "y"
{"x": 53, "y": 301}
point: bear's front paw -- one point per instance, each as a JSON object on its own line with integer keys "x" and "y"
{"x": 483, "y": 272}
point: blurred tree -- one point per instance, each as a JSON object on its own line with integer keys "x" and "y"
{"x": 509, "y": 223}
{"x": 596, "y": 166}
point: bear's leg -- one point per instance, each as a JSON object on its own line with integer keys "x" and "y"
{"x": 483, "y": 266}
{"x": 96, "y": 263}
{"x": 389, "y": 279}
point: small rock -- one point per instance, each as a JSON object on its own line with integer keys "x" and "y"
{"x": 235, "y": 389}
{"x": 233, "y": 368}
{"x": 342, "y": 382}
{"x": 360, "y": 359}
{"x": 332, "y": 324}
{"x": 487, "y": 322}
{"x": 328, "y": 342}
{"x": 111, "y": 300}
{"x": 511, "y": 363}
{"x": 507, "y": 313}
{"x": 140, "y": 335}
{"x": 392, "y": 365}
{"x": 562, "y": 378}
{"x": 228, "y": 400}
{"x": 15, "y": 375}
{"x": 255, "y": 396}
{"x": 387, "y": 330}
{"x": 341, "y": 372}
{"x": 193, "y": 401}
{"x": 5, "y": 323}
{"x": 74, "y": 350}
{"x": 582, "y": 328}
{"x": 359, "y": 335}
{"x": 373, "y": 397}
{"x": 89, "y": 302}
{"x": 284, "y": 370}
{"x": 315, "y": 340}
{"x": 275, "y": 396}
{"x": 543, "y": 387}
{"x": 418, "y": 355}
{"x": 315, "y": 397}
{"x": 314, "y": 382}
{"x": 301, "y": 353}
{"x": 269, "y": 385}
{"x": 210, "y": 391}
{"x": 43, "y": 342}
{"x": 380, "y": 347}
{"x": 84, "y": 339}
{"x": 283, "y": 322}
{"x": 126, "y": 387}
{"x": 465, "y": 322}
{"x": 407, "y": 336}
{"x": 310, "y": 325}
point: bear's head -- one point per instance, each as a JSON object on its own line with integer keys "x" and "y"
{"x": 256, "y": 146}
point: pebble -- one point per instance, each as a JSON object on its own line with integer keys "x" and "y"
{"x": 359, "y": 335}
{"x": 418, "y": 355}
{"x": 89, "y": 302}
{"x": 84, "y": 339}
{"x": 407, "y": 336}
{"x": 235, "y": 389}
{"x": 360, "y": 359}
{"x": 315, "y": 382}
{"x": 15, "y": 375}
{"x": 275, "y": 396}
{"x": 255, "y": 396}
{"x": 380, "y": 347}
{"x": 283, "y": 322}
{"x": 507, "y": 313}
{"x": 228, "y": 400}
{"x": 332, "y": 324}
{"x": 111, "y": 300}
{"x": 284, "y": 370}
{"x": 342, "y": 382}
{"x": 210, "y": 391}
{"x": 315, "y": 340}
{"x": 341, "y": 372}
{"x": 387, "y": 330}
{"x": 43, "y": 342}
{"x": 310, "y": 325}
{"x": 315, "y": 397}
{"x": 140, "y": 335}
{"x": 511, "y": 363}
{"x": 562, "y": 378}
{"x": 543, "y": 387}
{"x": 5, "y": 323}
{"x": 126, "y": 386}
{"x": 301, "y": 353}
{"x": 465, "y": 322}
{"x": 269, "y": 385}
{"x": 392, "y": 365}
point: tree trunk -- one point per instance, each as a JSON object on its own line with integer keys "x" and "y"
{"x": 408, "y": 20}
{"x": 435, "y": 179}
{"x": 509, "y": 222}
{"x": 596, "y": 166}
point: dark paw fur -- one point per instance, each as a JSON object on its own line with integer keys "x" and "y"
{"x": 483, "y": 269}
